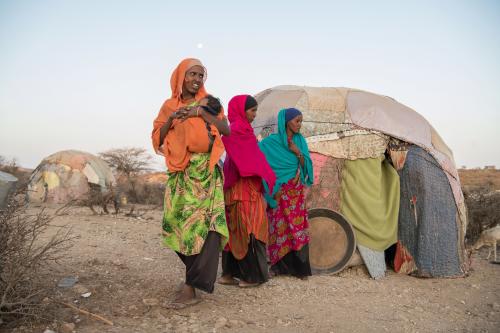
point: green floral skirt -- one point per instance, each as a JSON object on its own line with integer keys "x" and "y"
{"x": 193, "y": 206}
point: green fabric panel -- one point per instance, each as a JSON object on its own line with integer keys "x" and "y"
{"x": 370, "y": 201}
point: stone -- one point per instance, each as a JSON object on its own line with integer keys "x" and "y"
{"x": 80, "y": 288}
{"x": 67, "y": 328}
{"x": 177, "y": 318}
{"x": 220, "y": 323}
{"x": 67, "y": 282}
{"x": 151, "y": 301}
{"x": 235, "y": 323}
{"x": 48, "y": 331}
{"x": 161, "y": 317}
{"x": 194, "y": 328}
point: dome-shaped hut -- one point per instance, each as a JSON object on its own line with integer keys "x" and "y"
{"x": 68, "y": 175}
{"x": 383, "y": 167}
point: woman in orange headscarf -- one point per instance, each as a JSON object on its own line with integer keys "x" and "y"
{"x": 194, "y": 223}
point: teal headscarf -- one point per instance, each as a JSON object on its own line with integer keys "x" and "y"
{"x": 283, "y": 161}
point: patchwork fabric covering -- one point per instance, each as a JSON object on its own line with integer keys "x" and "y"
{"x": 67, "y": 175}
{"x": 348, "y": 127}
{"x": 325, "y": 191}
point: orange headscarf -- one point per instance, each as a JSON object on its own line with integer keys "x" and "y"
{"x": 184, "y": 137}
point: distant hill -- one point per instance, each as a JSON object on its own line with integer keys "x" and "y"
{"x": 473, "y": 180}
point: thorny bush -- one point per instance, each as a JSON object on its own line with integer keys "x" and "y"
{"x": 25, "y": 254}
{"x": 483, "y": 209}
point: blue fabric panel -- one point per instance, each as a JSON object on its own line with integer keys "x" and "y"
{"x": 427, "y": 226}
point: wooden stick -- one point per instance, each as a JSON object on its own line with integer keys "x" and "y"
{"x": 109, "y": 322}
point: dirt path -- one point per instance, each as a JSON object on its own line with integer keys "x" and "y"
{"x": 121, "y": 262}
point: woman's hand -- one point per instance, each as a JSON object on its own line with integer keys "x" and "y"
{"x": 168, "y": 124}
{"x": 187, "y": 112}
{"x": 277, "y": 195}
{"x": 293, "y": 147}
{"x": 174, "y": 115}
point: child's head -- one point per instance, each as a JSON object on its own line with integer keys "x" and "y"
{"x": 211, "y": 104}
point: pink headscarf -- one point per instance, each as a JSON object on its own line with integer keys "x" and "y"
{"x": 244, "y": 157}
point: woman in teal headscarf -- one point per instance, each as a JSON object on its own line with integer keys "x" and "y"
{"x": 288, "y": 156}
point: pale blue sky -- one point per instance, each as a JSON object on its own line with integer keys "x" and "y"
{"x": 91, "y": 75}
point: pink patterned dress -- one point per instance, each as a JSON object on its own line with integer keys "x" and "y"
{"x": 288, "y": 222}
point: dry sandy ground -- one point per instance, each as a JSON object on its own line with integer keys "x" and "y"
{"x": 121, "y": 261}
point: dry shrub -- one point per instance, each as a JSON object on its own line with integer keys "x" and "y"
{"x": 483, "y": 207}
{"x": 150, "y": 193}
{"x": 97, "y": 197}
{"x": 139, "y": 191}
{"x": 128, "y": 163}
{"x": 25, "y": 254}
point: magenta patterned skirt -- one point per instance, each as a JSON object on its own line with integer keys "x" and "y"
{"x": 288, "y": 222}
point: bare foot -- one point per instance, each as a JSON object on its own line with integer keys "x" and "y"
{"x": 186, "y": 293}
{"x": 228, "y": 280}
{"x": 185, "y": 297}
{"x": 244, "y": 284}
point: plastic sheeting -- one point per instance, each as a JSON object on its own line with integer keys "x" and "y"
{"x": 374, "y": 261}
{"x": 428, "y": 226}
{"x": 388, "y": 116}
